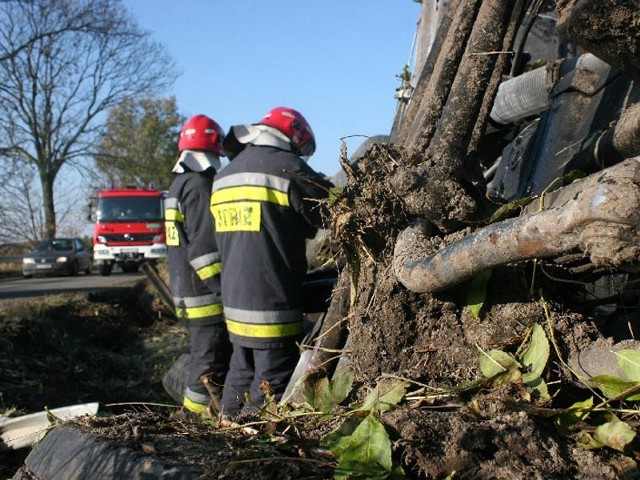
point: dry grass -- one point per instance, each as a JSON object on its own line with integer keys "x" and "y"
{"x": 10, "y": 269}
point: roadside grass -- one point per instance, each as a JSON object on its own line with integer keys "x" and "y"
{"x": 10, "y": 269}
{"x": 60, "y": 350}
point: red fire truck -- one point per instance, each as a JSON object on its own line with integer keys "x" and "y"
{"x": 129, "y": 228}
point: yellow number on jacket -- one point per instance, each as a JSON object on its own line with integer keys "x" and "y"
{"x": 173, "y": 240}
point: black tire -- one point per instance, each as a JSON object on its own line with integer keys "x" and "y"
{"x": 74, "y": 269}
{"x": 105, "y": 269}
{"x": 67, "y": 452}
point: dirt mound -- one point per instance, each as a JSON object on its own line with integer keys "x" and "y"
{"x": 435, "y": 341}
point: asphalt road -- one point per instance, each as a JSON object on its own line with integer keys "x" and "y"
{"x": 18, "y": 287}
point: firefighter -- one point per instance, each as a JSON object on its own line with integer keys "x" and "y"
{"x": 194, "y": 262}
{"x": 265, "y": 203}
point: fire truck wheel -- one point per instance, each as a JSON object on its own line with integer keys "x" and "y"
{"x": 130, "y": 268}
{"x": 105, "y": 269}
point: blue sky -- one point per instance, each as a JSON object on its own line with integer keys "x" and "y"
{"x": 335, "y": 61}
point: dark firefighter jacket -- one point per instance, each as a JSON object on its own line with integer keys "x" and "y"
{"x": 265, "y": 203}
{"x": 194, "y": 277}
{"x": 194, "y": 261}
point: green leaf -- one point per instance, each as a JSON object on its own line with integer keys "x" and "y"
{"x": 539, "y": 386}
{"x": 51, "y": 417}
{"x": 613, "y": 386}
{"x": 477, "y": 292}
{"x": 315, "y": 391}
{"x": 536, "y": 355}
{"x": 355, "y": 471}
{"x": 629, "y": 363}
{"x": 509, "y": 208}
{"x": 586, "y": 441}
{"x": 365, "y": 452}
{"x": 574, "y": 175}
{"x": 334, "y": 194}
{"x": 387, "y": 393}
{"x": 496, "y": 362}
{"x": 616, "y": 435}
{"x": 322, "y": 395}
{"x": 338, "y": 440}
{"x": 577, "y": 412}
{"x": 340, "y": 386}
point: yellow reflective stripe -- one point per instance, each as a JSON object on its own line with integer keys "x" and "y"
{"x": 263, "y": 194}
{"x": 173, "y": 214}
{"x": 193, "y": 406}
{"x": 209, "y": 271}
{"x": 264, "y": 331}
{"x": 199, "y": 312}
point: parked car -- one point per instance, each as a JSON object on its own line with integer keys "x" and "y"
{"x": 57, "y": 256}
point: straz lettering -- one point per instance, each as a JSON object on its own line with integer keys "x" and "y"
{"x": 237, "y": 217}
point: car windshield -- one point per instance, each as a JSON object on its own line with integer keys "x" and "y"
{"x": 54, "y": 245}
{"x": 129, "y": 209}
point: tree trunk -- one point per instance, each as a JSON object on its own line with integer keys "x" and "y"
{"x": 49, "y": 206}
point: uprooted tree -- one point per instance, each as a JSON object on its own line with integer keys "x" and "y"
{"x": 471, "y": 244}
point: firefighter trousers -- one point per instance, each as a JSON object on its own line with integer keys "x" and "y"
{"x": 210, "y": 351}
{"x": 247, "y": 369}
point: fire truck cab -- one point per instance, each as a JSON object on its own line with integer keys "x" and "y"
{"x": 129, "y": 228}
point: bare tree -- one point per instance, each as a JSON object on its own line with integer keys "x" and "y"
{"x": 63, "y": 64}
{"x": 21, "y": 217}
{"x": 19, "y": 36}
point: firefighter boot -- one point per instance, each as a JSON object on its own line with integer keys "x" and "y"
{"x": 174, "y": 380}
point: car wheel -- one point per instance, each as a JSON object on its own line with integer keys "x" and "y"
{"x": 89, "y": 268}
{"x": 73, "y": 269}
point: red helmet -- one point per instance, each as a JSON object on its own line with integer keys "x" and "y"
{"x": 201, "y": 133}
{"x": 295, "y": 127}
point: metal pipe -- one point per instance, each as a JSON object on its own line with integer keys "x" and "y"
{"x": 523, "y": 96}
